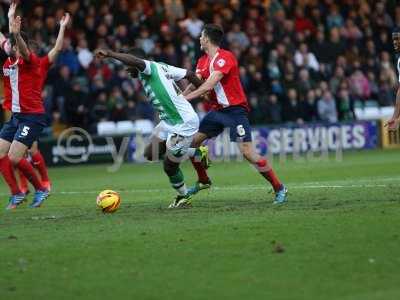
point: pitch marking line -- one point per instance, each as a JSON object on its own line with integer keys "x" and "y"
{"x": 334, "y": 184}
{"x": 236, "y": 188}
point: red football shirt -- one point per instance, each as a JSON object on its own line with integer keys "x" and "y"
{"x": 229, "y": 90}
{"x": 45, "y": 65}
{"x": 23, "y": 82}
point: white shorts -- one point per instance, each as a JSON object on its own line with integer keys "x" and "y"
{"x": 178, "y": 137}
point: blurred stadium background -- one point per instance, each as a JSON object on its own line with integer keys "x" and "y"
{"x": 319, "y": 75}
{"x": 301, "y": 62}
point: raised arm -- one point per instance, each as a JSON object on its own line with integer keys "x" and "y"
{"x": 127, "y": 59}
{"x": 11, "y": 14}
{"x": 207, "y": 86}
{"x": 53, "y": 54}
{"x": 21, "y": 45}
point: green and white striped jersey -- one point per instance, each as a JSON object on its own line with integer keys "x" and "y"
{"x": 158, "y": 81}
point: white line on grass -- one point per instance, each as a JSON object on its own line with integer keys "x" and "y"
{"x": 234, "y": 188}
{"x": 335, "y": 184}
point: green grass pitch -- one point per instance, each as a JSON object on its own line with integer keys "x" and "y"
{"x": 337, "y": 238}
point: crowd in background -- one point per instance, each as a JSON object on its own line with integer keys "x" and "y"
{"x": 300, "y": 61}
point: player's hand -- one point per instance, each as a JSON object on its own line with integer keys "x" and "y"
{"x": 206, "y": 97}
{"x": 65, "y": 20}
{"x": 12, "y": 10}
{"x": 392, "y": 124}
{"x": 16, "y": 25}
{"x": 101, "y": 53}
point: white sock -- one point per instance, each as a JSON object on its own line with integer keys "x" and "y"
{"x": 191, "y": 152}
{"x": 182, "y": 190}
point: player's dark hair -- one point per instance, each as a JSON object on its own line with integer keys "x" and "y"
{"x": 24, "y": 36}
{"x": 138, "y": 52}
{"x": 33, "y": 46}
{"x": 214, "y": 32}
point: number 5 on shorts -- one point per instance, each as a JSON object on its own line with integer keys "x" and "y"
{"x": 25, "y": 131}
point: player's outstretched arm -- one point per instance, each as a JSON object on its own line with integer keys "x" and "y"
{"x": 394, "y": 122}
{"x": 188, "y": 89}
{"x": 53, "y": 54}
{"x": 21, "y": 45}
{"x": 195, "y": 81}
{"x": 127, "y": 59}
{"x": 207, "y": 86}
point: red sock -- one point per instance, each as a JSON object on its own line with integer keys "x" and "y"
{"x": 26, "y": 168}
{"x": 7, "y": 171}
{"x": 23, "y": 182}
{"x": 40, "y": 165}
{"x": 269, "y": 174}
{"x": 201, "y": 171}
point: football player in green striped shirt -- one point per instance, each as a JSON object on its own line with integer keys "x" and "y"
{"x": 178, "y": 120}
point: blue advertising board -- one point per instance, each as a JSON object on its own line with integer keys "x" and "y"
{"x": 303, "y": 138}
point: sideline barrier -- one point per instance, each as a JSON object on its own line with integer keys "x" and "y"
{"x": 77, "y": 148}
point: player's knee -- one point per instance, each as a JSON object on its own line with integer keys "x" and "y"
{"x": 34, "y": 149}
{"x": 4, "y": 148}
{"x": 248, "y": 153}
{"x": 198, "y": 139}
{"x": 3, "y": 153}
{"x": 246, "y": 150}
{"x": 170, "y": 168}
{"x": 14, "y": 158}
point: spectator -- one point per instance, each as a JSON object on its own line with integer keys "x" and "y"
{"x": 237, "y": 36}
{"x": 327, "y": 108}
{"x": 320, "y": 48}
{"x": 292, "y": 109}
{"x": 380, "y": 16}
{"x": 75, "y": 105}
{"x": 131, "y": 113}
{"x": 302, "y": 23}
{"x": 68, "y": 57}
{"x": 61, "y": 87}
{"x": 304, "y": 58}
{"x": 386, "y": 95}
{"x": 316, "y": 49}
{"x": 345, "y": 106}
{"x": 145, "y": 42}
{"x": 100, "y": 110}
{"x": 334, "y": 18}
{"x": 360, "y": 87}
{"x": 305, "y": 83}
{"x": 309, "y": 107}
{"x": 144, "y": 109}
{"x": 193, "y": 25}
{"x": 117, "y": 105}
{"x": 85, "y": 57}
{"x": 337, "y": 78}
{"x": 274, "y": 110}
{"x": 335, "y": 47}
{"x": 351, "y": 31}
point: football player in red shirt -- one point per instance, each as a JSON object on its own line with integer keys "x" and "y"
{"x": 229, "y": 108}
{"x": 22, "y": 89}
{"x": 46, "y": 62}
